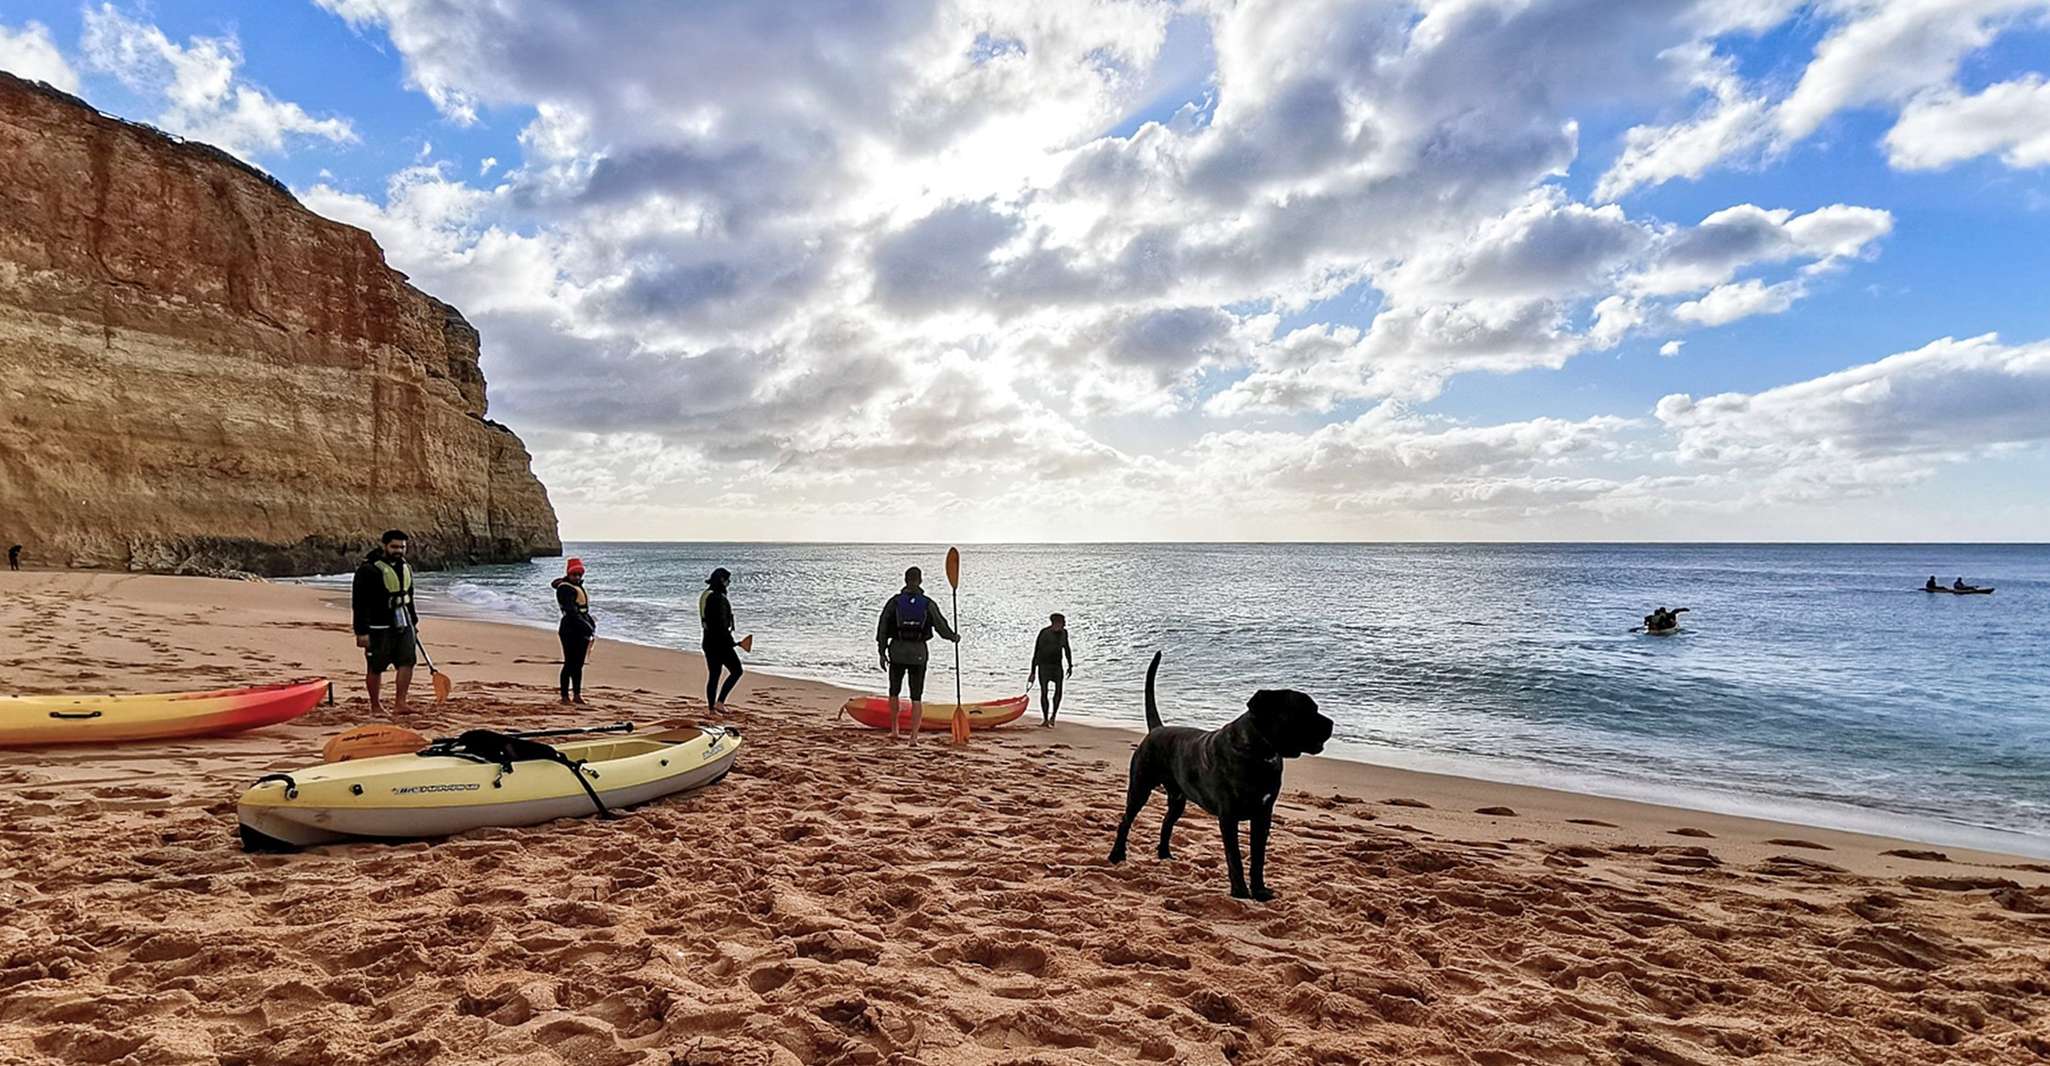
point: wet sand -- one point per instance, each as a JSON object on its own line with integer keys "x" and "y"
{"x": 840, "y": 900}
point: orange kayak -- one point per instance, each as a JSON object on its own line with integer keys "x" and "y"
{"x": 874, "y": 712}
{"x": 34, "y": 720}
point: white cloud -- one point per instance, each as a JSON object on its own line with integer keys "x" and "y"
{"x": 489, "y": 164}
{"x": 203, "y": 97}
{"x": 30, "y": 52}
{"x": 1940, "y": 129}
{"x": 1888, "y": 50}
{"x": 1728, "y": 303}
{"x": 1671, "y": 348}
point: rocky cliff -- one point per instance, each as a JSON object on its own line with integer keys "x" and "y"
{"x": 196, "y": 372}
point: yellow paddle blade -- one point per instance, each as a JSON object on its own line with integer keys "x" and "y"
{"x": 442, "y": 687}
{"x": 371, "y": 741}
{"x": 954, "y": 567}
{"x": 747, "y": 643}
{"x": 960, "y": 725}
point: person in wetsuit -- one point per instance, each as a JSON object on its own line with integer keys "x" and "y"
{"x": 908, "y": 621}
{"x": 1932, "y": 586}
{"x": 578, "y": 631}
{"x": 716, "y": 612}
{"x": 1959, "y": 585}
{"x": 1660, "y": 620}
{"x": 381, "y": 600}
{"x": 1047, "y": 650}
{"x": 14, "y": 557}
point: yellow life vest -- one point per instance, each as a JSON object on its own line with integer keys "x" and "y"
{"x": 398, "y": 586}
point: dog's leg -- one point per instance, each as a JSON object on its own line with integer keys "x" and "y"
{"x": 1262, "y": 821}
{"x": 1175, "y": 802}
{"x": 1230, "y": 826}
{"x": 1135, "y": 799}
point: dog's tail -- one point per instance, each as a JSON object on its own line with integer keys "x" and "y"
{"x": 1152, "y": 708}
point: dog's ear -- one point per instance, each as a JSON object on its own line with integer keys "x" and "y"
{"x": 1269, "y": 708}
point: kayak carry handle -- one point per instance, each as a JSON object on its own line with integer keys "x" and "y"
{"x": 291, "y": 786}
{"x": 74, "y": 714}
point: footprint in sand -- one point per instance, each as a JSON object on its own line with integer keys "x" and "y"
{"x": 1690, "y": 831}
{"x": 1400, "y": 802}
{"x": 1498, "y": 812}
{"x": 1786, "y": 842}
{"x": 1593, "y": 822}
{"x": 1925, "y": 856}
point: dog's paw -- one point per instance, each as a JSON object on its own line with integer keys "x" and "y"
{"x": 1239, "y": 892}
{"x": 1117, "y": 856}
{"x": 1164, "y": 853}
{"x": 1263, "y": 894}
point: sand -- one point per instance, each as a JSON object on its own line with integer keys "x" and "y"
{"x": 840, "y": 900}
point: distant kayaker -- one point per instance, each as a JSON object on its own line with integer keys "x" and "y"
{"x": 1959, "y": 585}
{"x": 577, "y": 630}
{"x": 908, "y": 621}
{"x": 1932, "y": 586}
{"x": 1661, "y": 620}
{"x": 1046, "y": 665}
{"x": 382, "y": 602}
{"x": 14, "y": 558}
{"x": 716, "y": 612}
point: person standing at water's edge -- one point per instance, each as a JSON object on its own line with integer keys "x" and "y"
{"x": 1046, "y": 665}
{"x": 716, "y": 612}
{"x": 908, "y": 621}
{"x": 578, "y": 630}
{"x": 381, "y": 599}
{"x": 14, "y": 557}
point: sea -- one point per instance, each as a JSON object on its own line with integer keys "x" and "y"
{"x": 1813, "y": 683}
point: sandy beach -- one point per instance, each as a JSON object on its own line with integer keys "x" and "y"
{"x": 841, "y": 900}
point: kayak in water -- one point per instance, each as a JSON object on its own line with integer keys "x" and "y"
{"x": 1987, "y": 591}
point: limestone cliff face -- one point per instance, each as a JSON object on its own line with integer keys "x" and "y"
{"x": 198, "y": 372}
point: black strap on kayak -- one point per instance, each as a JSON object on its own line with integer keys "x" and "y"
{"x": 490, "y": 746}
{"x": 291, "y": 786}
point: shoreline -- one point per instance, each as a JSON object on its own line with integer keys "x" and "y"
{"x": 1333, "y": 773}
{"x": 1459, "y": 775}
{"x": 841, "y": 899}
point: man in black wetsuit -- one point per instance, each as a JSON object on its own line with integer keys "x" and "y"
{"x": 14, "y": 558}
{"x": 382, "y": 602}
{"x": 716, "y": 612}
{"x": 908, "y": 621}
{"x": 1047, "y": 650}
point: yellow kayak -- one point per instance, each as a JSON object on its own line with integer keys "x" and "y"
{"x": 33, "y": 720}
{"x": 403, "y": 797}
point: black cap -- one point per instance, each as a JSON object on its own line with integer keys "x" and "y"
{"x": 719, "y": 577}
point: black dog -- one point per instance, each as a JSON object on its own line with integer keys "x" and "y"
{"x": 1233, "y": 772}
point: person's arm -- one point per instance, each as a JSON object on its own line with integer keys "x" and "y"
{"x": 886, "y": 624}
{"x": 939, "y": 622}
{"x": 726, "y": 619}
{"x": 1070, "y": 649}
{"x": 360, "y": 594}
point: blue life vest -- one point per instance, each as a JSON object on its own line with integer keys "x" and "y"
{"x": 911, "y": 616}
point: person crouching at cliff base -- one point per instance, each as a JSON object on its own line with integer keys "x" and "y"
{"x": 382, "y": 597}
{"x": 577, "y": 630}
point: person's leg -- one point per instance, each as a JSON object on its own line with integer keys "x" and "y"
{"x": 1045, "y": 708}
{"x": 373, "y": 682}
{"x": 404, "y": 675}
{"x": 917, "y": 699}
{"x": 712, "y": 665}
{"x": 579, "y": 650}
{"x": 374, "y": 665}
{"x": 568, "y": 654}
{"x": 896, "y": 686}
{"x": 1058, "y": 684}
{"x": 732, "y": 676}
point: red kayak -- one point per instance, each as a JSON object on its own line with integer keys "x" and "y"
{"x": 874, "y": 712}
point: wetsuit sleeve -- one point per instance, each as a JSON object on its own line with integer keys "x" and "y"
{"x": 939, "y": 622}
{"x": 722, "y": 616}
{"x": 366, "y": 598}
{"x": 886, "y": 624}
{"x": 1069, "y": 648}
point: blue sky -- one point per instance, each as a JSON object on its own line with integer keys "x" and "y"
{"x": 1151, "y": 269}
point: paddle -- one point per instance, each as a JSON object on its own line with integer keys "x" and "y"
{"x": 954, "y": 581}
{"x": 442, "y": 684}
{"x": 747, "y": 643}
{"x": 371, "y": 741}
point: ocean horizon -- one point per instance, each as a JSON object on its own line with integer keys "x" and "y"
{"x": 1813, "y": 682}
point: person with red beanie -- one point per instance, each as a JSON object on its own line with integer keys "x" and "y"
{"x": 578, "y": 630}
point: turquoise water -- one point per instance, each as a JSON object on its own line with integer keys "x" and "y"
{"x": 1812, "y": 682}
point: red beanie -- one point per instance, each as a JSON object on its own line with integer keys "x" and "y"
{"x": 576, "y": 566}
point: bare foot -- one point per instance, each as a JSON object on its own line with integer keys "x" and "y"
{"x": 579, "y": 701}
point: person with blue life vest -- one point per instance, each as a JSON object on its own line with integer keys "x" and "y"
{"x": 908, "y": 621}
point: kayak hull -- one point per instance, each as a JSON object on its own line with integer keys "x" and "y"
{"x": 410, "y": 797}
{"x": 874, "y": 712}
{"x": 1667, "y": 632}
{"x": 31, "y": 721}
{"x": 1963, "y": 592}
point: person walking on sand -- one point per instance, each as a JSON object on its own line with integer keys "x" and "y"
{"x": 1046, "y": 665}
{"x": 908, "y": 621}
{"x": 716, "y": 612}
{"x": 577, "y": 630}
{"x": 382, "y": 602}
{"x": 14, "y": 557}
